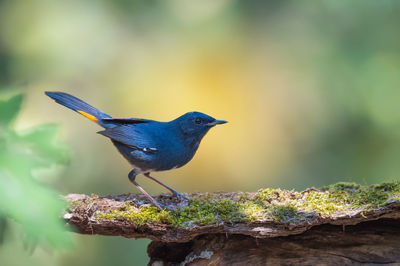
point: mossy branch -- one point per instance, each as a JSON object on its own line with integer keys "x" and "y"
{"x": 263, "y": 214}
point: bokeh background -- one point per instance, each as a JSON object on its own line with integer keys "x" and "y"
{"x": 311, "y": 91}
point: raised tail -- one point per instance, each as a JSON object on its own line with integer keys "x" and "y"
{"x": 78, "y": 106}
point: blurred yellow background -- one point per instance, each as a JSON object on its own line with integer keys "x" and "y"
{"x": 310, "y": 90}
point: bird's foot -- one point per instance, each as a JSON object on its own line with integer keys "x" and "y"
{"x": 180, "y": 196}
{"x": 159, "y": 205}
{"x": 164, "y": 206}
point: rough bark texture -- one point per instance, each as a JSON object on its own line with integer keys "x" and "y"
{"x": 361, "y": 227}
{"x": 368, "y": 243}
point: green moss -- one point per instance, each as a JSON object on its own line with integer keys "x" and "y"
{"x": 254, "y": 212}
{"x": 267, "y": 195}
{"x": 139, "y": 216}
{"x": 324, "y": 203}
{"x": 286, "y": 213}
{"x": 367, "y": 197}
{"x": 266, "y": 204}
{"x": 342, "y": 186}
{"x": 207, "y": 210}
{"x": 393, "y": 187}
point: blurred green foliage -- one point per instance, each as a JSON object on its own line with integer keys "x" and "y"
{"x": 23, "y": 198}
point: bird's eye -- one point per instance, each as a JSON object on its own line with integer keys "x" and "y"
{"x": 197, "y": 121}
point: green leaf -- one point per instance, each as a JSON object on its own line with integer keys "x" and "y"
{"x": 3, "y": 225}
{"x": 42, "y": 142}
{"x": 9, "y": 109}
{"x": 34, "y": 205}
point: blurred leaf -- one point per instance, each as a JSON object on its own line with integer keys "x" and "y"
{"x": 35, "y": 206}
{"x": 9, "y": 109}
{"x": 3, "y": 225}
{"x": 42, "y": 141}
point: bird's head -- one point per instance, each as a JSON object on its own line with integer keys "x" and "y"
{"x": 197, "y": 124}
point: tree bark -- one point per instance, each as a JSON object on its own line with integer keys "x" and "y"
{"x": 368, "y": 243}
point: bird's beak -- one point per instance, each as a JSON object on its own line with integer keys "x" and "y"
{"x": 217, "y": 122}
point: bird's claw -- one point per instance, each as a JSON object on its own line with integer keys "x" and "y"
{"x": 164, "y": 206}
{"x": 180, "y": 196}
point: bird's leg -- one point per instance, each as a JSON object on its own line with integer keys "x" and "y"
{"x": 132, "y": 176}
{"x": 178, "y": 195}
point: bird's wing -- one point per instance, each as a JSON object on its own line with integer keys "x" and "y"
{"x": 125, "y": 121}
{"x": 132, "y": 137}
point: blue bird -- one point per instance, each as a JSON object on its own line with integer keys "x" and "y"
{"x": 148, "y": 145}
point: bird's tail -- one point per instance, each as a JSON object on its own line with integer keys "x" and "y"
{"x": 78, "y": 106}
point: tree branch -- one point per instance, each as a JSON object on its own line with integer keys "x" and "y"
{"x": 264, "y": 214}
{"x": 345, "y": 223}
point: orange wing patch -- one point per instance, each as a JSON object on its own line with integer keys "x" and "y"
{"x": 88, "y": 116}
